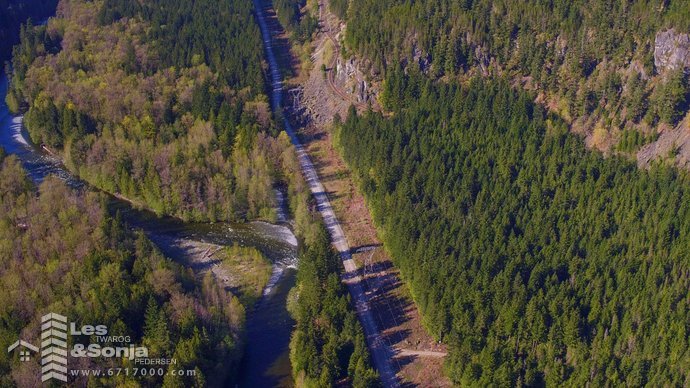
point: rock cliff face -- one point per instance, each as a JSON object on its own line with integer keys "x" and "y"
{"x": 351, "y": 79}
{"x": 671, "y": 51}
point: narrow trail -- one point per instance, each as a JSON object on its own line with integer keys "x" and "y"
{"x": 419, "y": 353}
{"x": 382, "y": 355}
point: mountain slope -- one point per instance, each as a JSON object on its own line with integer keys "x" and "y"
{"x": 536, "y": 260}
{"x": 599, "y": 64}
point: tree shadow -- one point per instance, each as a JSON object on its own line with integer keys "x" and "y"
{"x": 299, "y": 117}
{"x": 319, "y": 163}
{"x": 310, "y": 137}
{"x": 364, "y": 248}
{"x": 287, "y": 62}
{"x": 333, "y": 176}
{"x": 332, "y": 196}
{"x": 389, "y": 309}
{"x": 402, "y": 362}
{"x": 173, "y": 247}
{"x": 235, "y": 290}
{"x": 204, "y": 265}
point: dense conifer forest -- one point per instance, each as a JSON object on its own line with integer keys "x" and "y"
{"x": 61, "y": 251}
{"x": 537, "y": 261}
{"x": 328, "y": 343}
{"x": 301, "y": 25}
{"x": 592, "y": 61}
{"x": 221, "y": 34}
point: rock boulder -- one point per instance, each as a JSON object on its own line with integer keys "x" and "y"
{"x": 671, "y": 51}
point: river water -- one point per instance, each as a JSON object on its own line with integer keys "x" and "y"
{"x": 266, "y": 362}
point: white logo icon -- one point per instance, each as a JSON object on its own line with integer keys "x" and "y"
{"x": 54, "y": 347}
{"x": 24, "y": 354}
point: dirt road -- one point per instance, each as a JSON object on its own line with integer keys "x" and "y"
{"x": 381, "y": 354}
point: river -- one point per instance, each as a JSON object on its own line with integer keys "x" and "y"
{"x": 266, "y": 362}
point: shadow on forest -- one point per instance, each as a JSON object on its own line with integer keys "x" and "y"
{"x": 332, "y": 177}
{"x": 390, "y": 310}
{"x": 281, "y": 45}
{"x": 332, "y": 196}
{"x": 314, "y": 136}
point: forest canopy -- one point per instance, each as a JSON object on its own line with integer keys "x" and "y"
{"x": 328, "y": 343}
{"x": 62, "y": 252}
{"x": 177, "y": 123}
{"x": 299, "y": 24}
{"x": 537, "y": 261}
{"x": 592, "y": 61}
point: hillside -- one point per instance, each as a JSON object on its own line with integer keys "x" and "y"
{"x": 611, "y": 69}
{"x": 536, "y": 260}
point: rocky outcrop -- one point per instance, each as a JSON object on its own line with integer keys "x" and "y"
{"x": 671, "y": 51}
{"x": 352, "y": 80}
{"x": 421, "y": 58}
{"x": 673, "y": 145}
